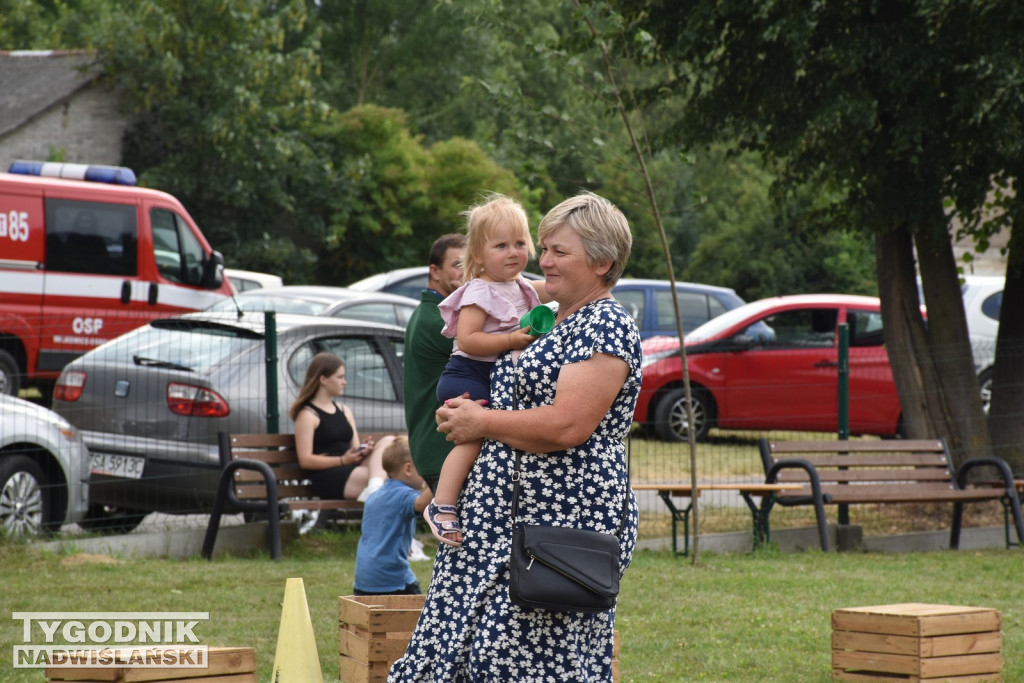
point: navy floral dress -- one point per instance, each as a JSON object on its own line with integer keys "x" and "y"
{"x": 469, "y": 630}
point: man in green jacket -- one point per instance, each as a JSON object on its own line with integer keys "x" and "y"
{"x": 426, "y": 354}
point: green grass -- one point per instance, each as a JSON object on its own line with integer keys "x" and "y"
{"x": 761, "y": 617}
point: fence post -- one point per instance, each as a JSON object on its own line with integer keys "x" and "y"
{"x": 273, "y": 416}
{"x": 844, "y": 401}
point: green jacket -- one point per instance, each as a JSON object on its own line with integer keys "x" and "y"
{"x": 425, "y": 355}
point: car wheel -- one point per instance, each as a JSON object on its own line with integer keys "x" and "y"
{"x": 985, "y": 379}
{"x": 109, "y": 519}
{"x": 671, "y": 421}
{"x": 10, "y": 377}
{"x": 24, "y": 498}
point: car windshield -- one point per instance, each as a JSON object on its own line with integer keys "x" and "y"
{"x": 727, "y": 319}
{"x": 196, "y": 348}
{"x": 256, "y": 304}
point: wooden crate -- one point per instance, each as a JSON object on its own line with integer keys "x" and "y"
{"x": 224, "y": 665}
{"x": 917, "y": 642}
{"x": 374, "y": 631}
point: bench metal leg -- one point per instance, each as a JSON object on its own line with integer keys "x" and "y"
{"x": 762, "y": 532}
{"x": 272, "y": 506}
{"x": 1006, "y": 523}
{"x": 678, "y": 516}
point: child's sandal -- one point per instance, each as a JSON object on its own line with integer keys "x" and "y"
{"x": 442, "y": 528}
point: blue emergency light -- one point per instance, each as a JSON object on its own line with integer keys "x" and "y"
{"x": 117, "y": 175}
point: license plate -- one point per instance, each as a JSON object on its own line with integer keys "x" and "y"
{"x": 126, "y": 466}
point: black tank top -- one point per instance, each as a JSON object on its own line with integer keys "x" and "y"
{"x": 333, "y": 436}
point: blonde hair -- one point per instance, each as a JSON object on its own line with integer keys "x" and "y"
{"x": 602, "y": 227}
{"x": 481, "y": 219}
{"x": 324, "y": 364}
{"x": 396, "y": 455}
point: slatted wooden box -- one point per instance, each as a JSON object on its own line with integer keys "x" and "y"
{"x": 373, "y": 631}
{"x": 917, "y": 642}
{"x": 224, "y": 665}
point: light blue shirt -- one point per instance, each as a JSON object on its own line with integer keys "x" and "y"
{"x": 382, "y": 557}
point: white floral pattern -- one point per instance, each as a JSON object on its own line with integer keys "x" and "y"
{"x": 469, "y": 631}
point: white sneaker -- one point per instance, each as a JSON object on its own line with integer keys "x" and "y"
{"x": 374, "y": 484}
{"x": 416, "y": 553}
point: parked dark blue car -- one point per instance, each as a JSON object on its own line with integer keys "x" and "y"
{"x": 650, "y": 303}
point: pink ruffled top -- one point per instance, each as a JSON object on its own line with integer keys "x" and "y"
{"x": 504, "y": 303}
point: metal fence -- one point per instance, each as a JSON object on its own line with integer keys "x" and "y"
{"x": 136, "y": 427}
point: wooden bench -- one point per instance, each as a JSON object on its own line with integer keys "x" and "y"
{"x": 887, "y": 471}
{"x": 682, "y": 514}
{"x": 261, "y": 474}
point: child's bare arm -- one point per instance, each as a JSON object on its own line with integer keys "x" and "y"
{"x": 473, "y": 340}
{"x": 421, "y": 503}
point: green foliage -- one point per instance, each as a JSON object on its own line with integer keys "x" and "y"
{"x": 232, "y": 117}
{"x": 278, "y": 125}
{"x": 897, "y": 106}
{"x": 762, "y": 245}
{"x": 412, "y": 55}
{"x": 459, "y": 172}
{"x": 219, "y": 108}
{"x": 378, "y": 193}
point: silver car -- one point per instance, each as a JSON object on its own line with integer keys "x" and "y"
{"x": 334, "y": 302}
{"x": 44, "y": 466}
{"x": 150, "y": 403}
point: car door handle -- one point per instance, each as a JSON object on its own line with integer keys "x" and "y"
{"x": 826, "y": 364}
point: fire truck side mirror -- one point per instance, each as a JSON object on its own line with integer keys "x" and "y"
{"x": 213, "y": 270}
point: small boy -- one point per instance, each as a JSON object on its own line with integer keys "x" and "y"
{"x": 389, "y": 519}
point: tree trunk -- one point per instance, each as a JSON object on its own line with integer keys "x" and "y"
{"x": 931, "y": 363}
{"x": 904, "y": 328}
{"x": 955, "y": 401}
{"x": 1004, "y": 419}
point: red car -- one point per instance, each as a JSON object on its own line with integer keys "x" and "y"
{"x": 773, "y": 365}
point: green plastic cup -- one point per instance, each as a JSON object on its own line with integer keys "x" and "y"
{"x": 540, "y": 320}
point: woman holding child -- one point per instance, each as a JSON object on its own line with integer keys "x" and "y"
{"x": 567, "y": 404}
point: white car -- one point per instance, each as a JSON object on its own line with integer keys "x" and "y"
{"x": 244, "y": 280}
{"x": 44, "y": 467}
{"x": 983, "y": 298}
{"x": 405, "y": 282}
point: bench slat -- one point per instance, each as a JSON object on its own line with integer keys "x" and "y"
{"x": 261, "y": 440}
{"x": 890, "y": 445}
{"x": 907, "y": 494}
{"x": 904, "y": 475}
{"x": 275, "y": 457}
{"x": 281, "y": 473}
{"x": 285, "y": 491}
{"x": 874, "y": 460}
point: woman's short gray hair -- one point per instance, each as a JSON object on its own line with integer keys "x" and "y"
{"x": 602, "y": 227}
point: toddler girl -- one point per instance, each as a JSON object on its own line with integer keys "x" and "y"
{"x": 483, "y": 316}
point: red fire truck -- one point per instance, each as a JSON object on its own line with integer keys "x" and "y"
{"x": 86, "y": 256}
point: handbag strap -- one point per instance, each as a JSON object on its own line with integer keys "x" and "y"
{"x": 517, "y": 476}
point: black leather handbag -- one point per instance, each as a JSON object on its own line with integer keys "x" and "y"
{"x": 562, "y": 569}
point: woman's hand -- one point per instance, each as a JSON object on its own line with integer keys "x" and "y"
{"x": 459, "y": 418}
{"x": 361, "y": 451}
